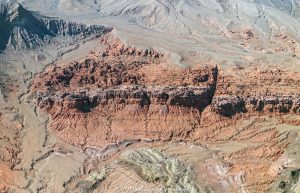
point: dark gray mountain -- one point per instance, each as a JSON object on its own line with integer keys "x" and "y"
{"x": 21, "y": 29}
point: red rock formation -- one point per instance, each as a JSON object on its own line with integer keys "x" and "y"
{"x": 113, "y": 96}
{"x": 122, "y": 93}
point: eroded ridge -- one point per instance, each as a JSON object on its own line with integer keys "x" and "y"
{"x": 120, "y": 94}
{"x": 230, "y": 105}
{"x": 269, "y": 90}
{"x": 113, "y": 96}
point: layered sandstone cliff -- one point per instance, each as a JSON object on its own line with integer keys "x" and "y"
{"x": 111, "y": 96}
{"x": 231, "y": 105}
{"x": 122, "y": 93}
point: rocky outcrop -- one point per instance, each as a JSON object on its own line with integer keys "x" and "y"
{"x": 190, "y": 97}
{"x": 115, "y": 65}
{"x": 231, "y": 105}
{"x": 113, "y": 96}
{"x": 120, "y": 95}
{"x": 22, "y": 29}
{"x": 124, "y": 113}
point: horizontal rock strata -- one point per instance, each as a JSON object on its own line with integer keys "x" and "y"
{"x": 122, "y": 94}
{"x": 230, "y": 105}
{"x": 113, "y": 96}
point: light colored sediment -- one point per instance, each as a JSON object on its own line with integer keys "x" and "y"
{"x": 146, "y": 169}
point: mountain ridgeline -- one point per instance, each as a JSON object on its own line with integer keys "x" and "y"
{"x": 22, "y": 29}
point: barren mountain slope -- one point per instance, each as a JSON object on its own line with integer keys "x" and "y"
{"x": 156, "y": 96}
{"x": 229, "y": 32}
